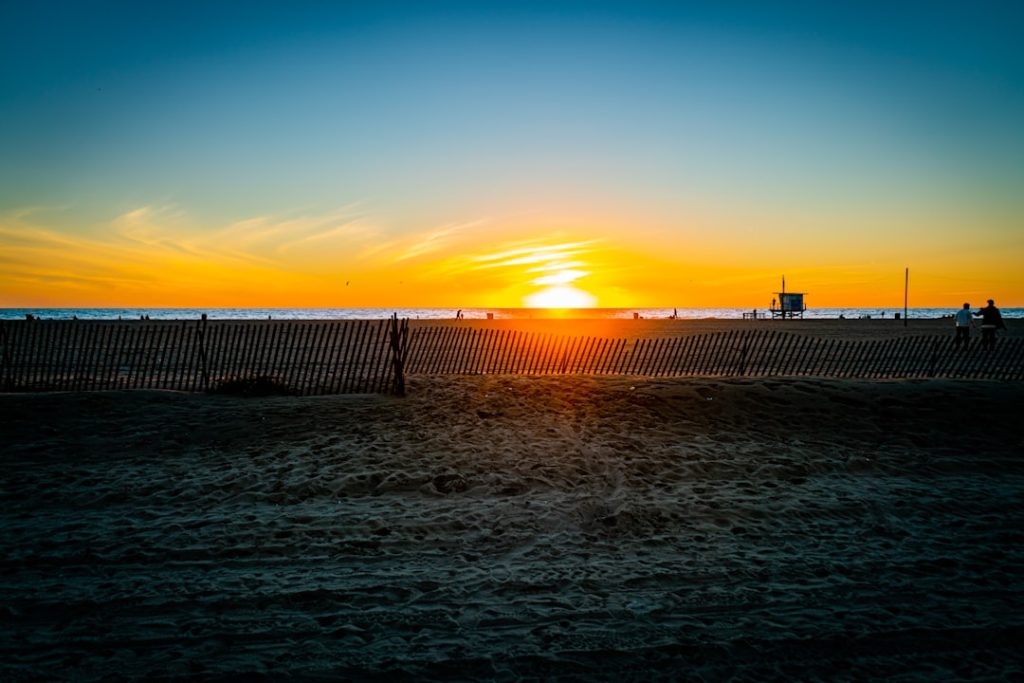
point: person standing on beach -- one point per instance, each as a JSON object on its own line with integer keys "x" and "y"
{"x": 963, "y": 326}
{"x": 991, "y": 320}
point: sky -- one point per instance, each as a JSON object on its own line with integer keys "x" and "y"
{"x": 510, "y": 154}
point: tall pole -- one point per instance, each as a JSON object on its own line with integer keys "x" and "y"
{"x": 906, "y": 288}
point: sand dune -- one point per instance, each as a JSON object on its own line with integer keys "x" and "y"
{"x": 514, "y": 527}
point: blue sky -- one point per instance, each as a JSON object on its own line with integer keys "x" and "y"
{"x": 659, "y": 124}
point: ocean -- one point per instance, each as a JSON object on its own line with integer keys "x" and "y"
{"x": 448, "y": 313}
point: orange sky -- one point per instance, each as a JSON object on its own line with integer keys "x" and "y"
{"x": 160, "y": 257}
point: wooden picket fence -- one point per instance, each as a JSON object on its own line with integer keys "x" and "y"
{"x": 364, "y": 356}
{"x": 736, "y": 353}
{"x": 303, "y": 358}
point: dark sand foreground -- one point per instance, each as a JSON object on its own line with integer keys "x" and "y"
{"x": 566, "y": 528}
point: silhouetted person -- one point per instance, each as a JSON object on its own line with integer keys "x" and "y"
{"x": 963, "y": 321}
{"x": 991, "y": 320}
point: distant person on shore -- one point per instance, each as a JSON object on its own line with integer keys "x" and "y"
{"x": 458, "y": 314}
{"x": 991, "y": 320}
{"x": 963, "y": 321}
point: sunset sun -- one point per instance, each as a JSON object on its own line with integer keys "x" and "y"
{"x": 558, "y": 291}
{"x": 561, "y": 296}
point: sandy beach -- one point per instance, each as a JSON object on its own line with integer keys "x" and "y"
{"x": 502, "y": 528}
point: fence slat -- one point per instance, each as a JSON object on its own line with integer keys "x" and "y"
{"x": 131, "y": 358}
{"x": 107, "y": 381}
{"x": 634, "y": 356}
{"x": 214, "y": 338}
{"x": 50, "y": 347}
{"x": 595, "y": 356}
{"x": 796, "y": 365}
{"x": 355, "y": 353}
{"x": 619, "y": 359}
{"x": 786, "y": 355}
{"x": 167, "y": 352}
{"x": 422, "y": 340}
{"x": 480, "y": 346}
{"x": 658, "y": 359}
{"x": 513, "y": 349}
{"x": 704, "y": 362}
{"x": 543, "y": 350}
{"x": 338, "y": 376}
{"x": 693, "y": 366}
{"x": 651, "y": 362}
{"x": 313, "y": 357}
{"x": 443, "y": 351}
{"x": 236, "y": 356}
{"x": 719, "y": 351}
{"x": 532, "y": 352}
{"x": 248, "y": 352}
{"x": 330, "y": 339}
{"x": 447, "y": 358}
{"x": 451, "y": 342}
{"x": 377, "y": 372}
{"x": 375, "y": 356}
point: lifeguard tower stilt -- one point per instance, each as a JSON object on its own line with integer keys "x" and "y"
{"x": 790, "y": 304}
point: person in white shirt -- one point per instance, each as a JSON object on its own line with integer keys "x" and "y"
{"x": 963, "y": 326}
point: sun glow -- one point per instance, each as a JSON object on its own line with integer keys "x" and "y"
{"x": 561, "y": 296}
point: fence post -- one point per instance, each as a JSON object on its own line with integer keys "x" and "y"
{"x": 202, "y": 352}
{"x": 397, "y": 357}
{"x": 5, "y": 369}
{"x": 743, "y": 355}
{"x": 934, "y": 358}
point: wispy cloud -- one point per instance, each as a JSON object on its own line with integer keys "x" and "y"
{"x": 538, "y": 254}
{"x": 534, "y": 262}
{"x": 262, "y": 240}
{"x": 155, "y": 244}
{"x": 435, "y": 240}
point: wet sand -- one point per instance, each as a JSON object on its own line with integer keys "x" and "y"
{"x": 501, "y": 528}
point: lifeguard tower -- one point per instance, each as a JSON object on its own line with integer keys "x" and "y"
{"x": 790, "y": 304}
